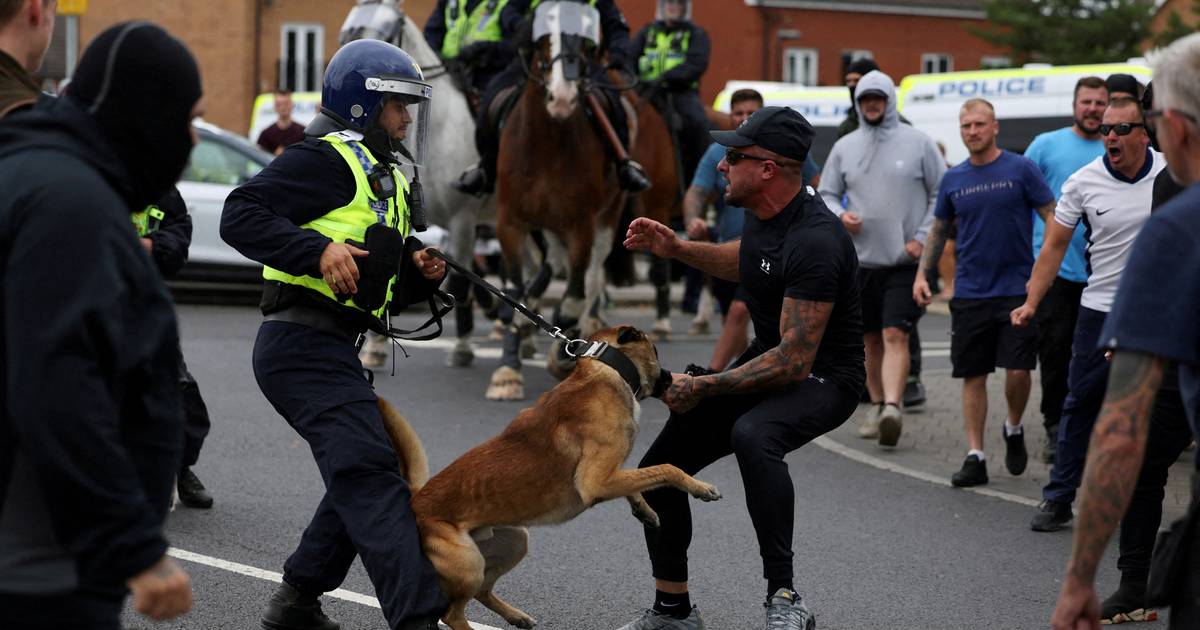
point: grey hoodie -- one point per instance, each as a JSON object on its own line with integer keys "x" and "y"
{"x": 889, "y": 174}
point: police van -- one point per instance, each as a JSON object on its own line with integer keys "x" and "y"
{"x": 1028, "y": 101}
{"x": 824, "y": 107}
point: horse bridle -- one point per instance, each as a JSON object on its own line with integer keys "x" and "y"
{"x": 431, "y": 72}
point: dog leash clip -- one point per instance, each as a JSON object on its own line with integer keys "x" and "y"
{"x": 594, "y": 350}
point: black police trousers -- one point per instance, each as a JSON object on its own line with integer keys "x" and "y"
{"x": 315, "y": 381}
{"x": 195, "y": 415}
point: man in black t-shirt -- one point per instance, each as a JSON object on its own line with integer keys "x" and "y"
{"x": 800, "y": 378}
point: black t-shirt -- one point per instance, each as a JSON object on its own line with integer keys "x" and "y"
{"x": 273, "y": 137}
{"x": 804, "y": 253}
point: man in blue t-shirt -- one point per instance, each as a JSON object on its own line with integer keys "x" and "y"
{"x": 1059, "y": 154}
{"x": 1155, "y": 319}
{"x": 991, "y": 196}
{"x": 708, "y": 188}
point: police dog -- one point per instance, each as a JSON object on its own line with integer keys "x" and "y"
{"x": 555, "y": 460}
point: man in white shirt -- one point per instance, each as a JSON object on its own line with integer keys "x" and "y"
{"x": 1111, "y": 196}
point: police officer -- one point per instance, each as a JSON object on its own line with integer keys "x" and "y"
{"x": 673, "y": 56}
{"x": 470, "y": 32}
{"x": 330, "y": 220}
{"x": 516, "y": 26}
{"x": 165, "y": 231}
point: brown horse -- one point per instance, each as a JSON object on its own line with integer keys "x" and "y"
{"x": 555, "y": 174}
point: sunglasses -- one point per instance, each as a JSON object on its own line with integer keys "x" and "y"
{"x": 1122, "y": 129}
{"x": 733, "y": 157}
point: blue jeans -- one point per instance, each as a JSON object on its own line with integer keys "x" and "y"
{"x": 1087, "y": 378}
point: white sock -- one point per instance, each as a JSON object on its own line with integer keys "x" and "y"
{"x": 1012, "y": 429}
{"x": 977, "y": 453}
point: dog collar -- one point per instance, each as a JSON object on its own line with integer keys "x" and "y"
{"x": 615, "y": 359}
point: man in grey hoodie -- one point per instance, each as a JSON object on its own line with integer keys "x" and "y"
{"x": 888, "y": 173}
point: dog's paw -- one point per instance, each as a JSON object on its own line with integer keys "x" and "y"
{"x": 647, "y": 516}
{"x": 706, "y": 492}
{"x": 522, "y": 621}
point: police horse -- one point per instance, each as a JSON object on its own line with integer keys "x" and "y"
{"x": 555, "y": 174}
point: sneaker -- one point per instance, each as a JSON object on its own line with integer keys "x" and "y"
{"x": 891, "y": 420}
{"x": 653, "y": 620}
{"x": 786, "y": 611}
{"x": 1051, "y": 517}
{"x": 914, "y": 394}
{"x": 972, "y": 473}
{"x": 289, "y": 609}
{"x": 1015, "y": 455}
{"x": 869, "y": 430}
{"x": 1126, "y": 604}
{"x": 698, "y": 327}
{"x": 633, "y": 177}
{"x": 191, "y": 492}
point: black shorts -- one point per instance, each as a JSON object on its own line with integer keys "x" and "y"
{"x": 982, "y": 337}
{"x": 726, "y": 292}
{"x": 887, "y": 298}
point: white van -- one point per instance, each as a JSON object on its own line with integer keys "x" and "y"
{"x": 1028, "y": 101}
{"x": 304, "y": 109}
{"x": 824, "y": 107}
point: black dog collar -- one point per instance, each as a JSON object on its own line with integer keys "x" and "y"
{"x": 617, "y": 360}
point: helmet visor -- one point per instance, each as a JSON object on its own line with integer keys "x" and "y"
{"x": 674, "y": 10}
{"x": 567, "y": 18}
{"x": 404, "y": 115}
{"x": 371, "y": 21}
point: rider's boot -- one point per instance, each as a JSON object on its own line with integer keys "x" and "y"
{"x": 633, "y": 177}
{"x": 475, "y": 181}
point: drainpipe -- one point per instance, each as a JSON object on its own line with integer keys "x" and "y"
{"x": 257, "y": 80}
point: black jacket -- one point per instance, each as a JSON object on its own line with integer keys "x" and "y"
{"x": 173, "y": 236}
{"x": 684, "y": 76}
{"x": 262, "y": 217}
{"x": 90, "y": 415}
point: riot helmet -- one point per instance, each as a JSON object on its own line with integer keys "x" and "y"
{"x": 578, "y": 26}
{"x": 372, "y": 87}
{"x": 670, "y": 11}
{"x": 373, "y": 19}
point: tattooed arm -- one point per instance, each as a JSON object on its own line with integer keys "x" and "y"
{"x": 934, "y": 245}
{"x": 1047, "y": 211}
{"x": 1114, "y": 459}
{"x": 802, "y": 324}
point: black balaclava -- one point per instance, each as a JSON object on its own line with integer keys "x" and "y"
{"x": 140, "y": 85}
{"x": 860, "y": 67}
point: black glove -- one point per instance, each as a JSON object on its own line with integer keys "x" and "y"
{"x": 694, "y": 370}
{"x": 473, "y": 53}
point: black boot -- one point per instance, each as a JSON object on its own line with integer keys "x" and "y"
{"x": 192, "y": 492}
{"x": 633, "y": 177}
{"x": 289, "y": 609}
{"x": 474, "y": 181}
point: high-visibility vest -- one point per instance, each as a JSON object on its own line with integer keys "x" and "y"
{"x": 463, "y": 29}
{"x": 350, "y": 222}
{"x": 663, "y": 52}
{"x": 147, "y": 220}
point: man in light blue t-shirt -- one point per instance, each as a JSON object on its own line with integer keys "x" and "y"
{"x": 1059, "y": 154}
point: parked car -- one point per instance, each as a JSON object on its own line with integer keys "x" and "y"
{"x": 221, "y": 161}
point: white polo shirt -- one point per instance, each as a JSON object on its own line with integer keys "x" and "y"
{"x": 1112, "y": 209}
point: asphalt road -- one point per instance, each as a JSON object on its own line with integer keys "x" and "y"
{"x": 873, "y": 549}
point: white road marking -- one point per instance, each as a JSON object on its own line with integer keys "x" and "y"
{"x": 829, "y": 444}
{"x": 271, "y": 576}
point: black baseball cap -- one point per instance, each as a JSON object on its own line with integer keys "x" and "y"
{"x": 779, "y": 129}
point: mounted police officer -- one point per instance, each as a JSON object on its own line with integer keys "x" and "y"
{"x": 469, "y": 32}
{"x": 673, "y": 55}
{"x": 330, "y": 220}
{"x": 516, "y": 26}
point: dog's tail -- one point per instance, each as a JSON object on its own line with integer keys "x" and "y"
{"x": 413, "y": 463}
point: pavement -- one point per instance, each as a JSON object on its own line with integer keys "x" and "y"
{"x": 933, "y": 443}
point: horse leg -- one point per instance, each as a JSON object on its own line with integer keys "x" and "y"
{"x": 602, "y": 243}
{"x": 462, "y": 245}
{"x": 571, "y": 309}
{"x": 507, "y": 382}
{"x": 660, "y": 277}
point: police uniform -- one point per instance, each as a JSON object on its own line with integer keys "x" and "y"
{"x": 672, "y": 58}
{"x": 305, "y": 359}
{"x": 470, "y": 31}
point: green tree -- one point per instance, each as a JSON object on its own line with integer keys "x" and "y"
{"x": 1064, "y": 32}
{"x": 1177, "y": 26}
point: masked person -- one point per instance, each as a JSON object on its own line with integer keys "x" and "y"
{"x": 516, "y": 25}
{"x": 330, "y": 220}
{"x": 673, "y": 55}
{"x": 86, "y": 471}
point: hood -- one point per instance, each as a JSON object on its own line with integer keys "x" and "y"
{"x": 880, "y": 82}
{"x": 57, "y": 124}
{"x": 139, "y": 85}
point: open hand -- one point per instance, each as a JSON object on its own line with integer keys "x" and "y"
{"x": 651, "y": 236}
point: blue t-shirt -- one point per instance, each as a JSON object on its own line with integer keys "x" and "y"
{"x": 730, "y": 219}
{"x": 1157, "y": 308}
{"x": 994, "y": 205}
{"x": 1059, "y": 154}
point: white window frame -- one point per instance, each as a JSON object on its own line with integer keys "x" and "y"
{"x": 794, "y": 61}
{"x": 315, "y": 61}
{"x": 995, "y": 62}
{"x": 930, "y": 63}
{"x": 858, "y": 53}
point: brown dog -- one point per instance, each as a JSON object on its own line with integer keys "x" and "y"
{"x": 555, "y": 460}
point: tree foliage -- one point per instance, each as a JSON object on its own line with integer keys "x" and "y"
{"x": 1064, "y": 32}
{"x": 1177, "y": 26}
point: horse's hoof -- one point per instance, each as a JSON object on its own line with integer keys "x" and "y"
{"x": 506, "y": 384}
{"x": 661, "y": 330}
{"x": 699, "y": 327}
{"x": 461, "y": 355}
{"x": 372, "y": 359}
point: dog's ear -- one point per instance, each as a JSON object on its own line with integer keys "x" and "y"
{"x": 629, "y": 334}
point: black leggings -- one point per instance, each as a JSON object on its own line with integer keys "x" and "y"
{"x": 760, "y": 429}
